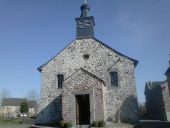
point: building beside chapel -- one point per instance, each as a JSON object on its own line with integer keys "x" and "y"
{"x": 10, "y": 107}
{"x": 157, "y": 95}
{"x": 88, "y": 81}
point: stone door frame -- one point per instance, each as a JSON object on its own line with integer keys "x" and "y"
{"x": 73, "y": 104}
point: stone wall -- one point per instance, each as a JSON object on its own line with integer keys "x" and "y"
{"x": 102, "y": 60}
{"x": 166, "y": 98}
{"x": 83, "y": 83}
{"x": 13, "y": 111}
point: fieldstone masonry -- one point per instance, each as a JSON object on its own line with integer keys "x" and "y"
{"x": 166, "y": 99}
{"x": 86, "y": 64}
{"x": 88, "y": 76}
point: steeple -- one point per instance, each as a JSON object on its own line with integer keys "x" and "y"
{"x": 85, "y": 23}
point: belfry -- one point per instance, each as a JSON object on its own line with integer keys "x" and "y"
{"x": 85, "y": 23}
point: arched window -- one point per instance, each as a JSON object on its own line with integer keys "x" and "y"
{"x": 114, "y": 78}
{"x": 60, "y": 78}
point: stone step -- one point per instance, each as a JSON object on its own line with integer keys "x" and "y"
{"x": 119, "y": 125}
{"x": 36, "y": 126}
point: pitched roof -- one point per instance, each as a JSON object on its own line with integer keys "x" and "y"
{"x": 151, "y": 85}
{"x": 17, "y": 102}
{"x": 134, "y": 60}
{"x": 167, "y": 71}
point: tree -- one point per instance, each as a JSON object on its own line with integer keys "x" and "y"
{"x": 33, "y": 95}
{"x": 142, "y": 111}
{"x": 4, "y": 93}
{"x": 24, "y": 107}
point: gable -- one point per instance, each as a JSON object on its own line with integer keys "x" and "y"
{"x": 84, "y": 41}
{"x": 83, "y": 75}
{"x": 134, "y": 60}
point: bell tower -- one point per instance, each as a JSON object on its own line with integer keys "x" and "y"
{"x": 85, "y": 23}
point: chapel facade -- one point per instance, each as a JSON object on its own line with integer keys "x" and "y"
{"x": 88, "y": 81}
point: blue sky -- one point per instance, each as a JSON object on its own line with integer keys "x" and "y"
{"x": 33, "y": 31}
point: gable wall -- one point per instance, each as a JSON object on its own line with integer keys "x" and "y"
{"x": 101, "y": 58}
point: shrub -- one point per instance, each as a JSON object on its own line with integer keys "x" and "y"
{"x": 62, "y": 123}
{"x": 68, "y": 125}
{"x": 94, "y": 124}
{"x": 24, "y": 107}
{"x": 101, "y": 123}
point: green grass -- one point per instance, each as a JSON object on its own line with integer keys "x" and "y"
{"x": 10, "y": 121}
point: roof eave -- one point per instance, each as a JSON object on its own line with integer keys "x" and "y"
{"x": 134, "y": 60}
{"x": 167, "y": 71}
{"x": 40, "y": 68}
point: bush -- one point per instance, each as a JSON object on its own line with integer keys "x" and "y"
{"x": 24, "y": 107}
{"x": 65, "y": 124}
{"x": 94, "y": 124}
{"x": 62, "y": 123}
{"x": 101, "y": 123}
{"x": 68, "y": 125}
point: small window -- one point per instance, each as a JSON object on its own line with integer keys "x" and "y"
{"x": 114, "y": 78}
{"x": 60, "y": 80}
{"x": 86, "y": 56}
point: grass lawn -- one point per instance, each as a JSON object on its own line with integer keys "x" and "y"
{"x": 10, "y": 121}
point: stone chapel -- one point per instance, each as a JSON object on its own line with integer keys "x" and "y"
{"x": 88, "y": 81}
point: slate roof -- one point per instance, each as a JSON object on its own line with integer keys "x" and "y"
{"x": 134, "y": 60}
{"x": 167, "y": 71}
{"x": 153, "y": 84}
{"x": 17, "y": 102}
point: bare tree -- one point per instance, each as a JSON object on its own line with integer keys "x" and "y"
{"x": 33, "y": 95}
{"x": 4, "y": 93}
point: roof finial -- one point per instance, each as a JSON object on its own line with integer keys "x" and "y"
{"x": 85, "y": 9}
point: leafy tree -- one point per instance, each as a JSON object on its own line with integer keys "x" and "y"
{"x": 24, "y": 107}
